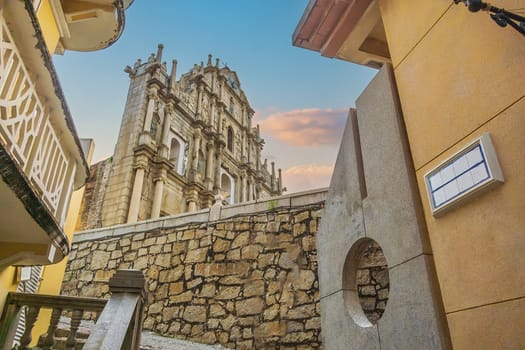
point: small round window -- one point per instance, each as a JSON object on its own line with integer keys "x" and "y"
{"x": 366, "y": 282}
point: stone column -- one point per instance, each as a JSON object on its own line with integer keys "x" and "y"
{"x": 209, "y": 166}
{"x": 219, "y": 121}
{"x": 134, "y": 203}
{"x": 243, "y": 187}
{"x": 273, "y": 179}
{"x": 196, "y": 148}
{"x": 280, "y": 181}
{"x": 250, "y": 188}
{"x": 166, "y": 115}
{"x": 258, "y": 155}
{"x": 238, "y": 185}
{"x": 157, "y": 198}
{"x": 191, "y": 200}
{"x": 212, "y": 112}
{"x": 199, "y": 102}
{"x": 249, "y": 153}
{"x": 218, "y": 166}
{"x": 173, "y": 76}
{"x": 157, "y": 194}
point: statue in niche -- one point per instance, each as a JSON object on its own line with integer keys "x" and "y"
{"x": 185, "y": 158}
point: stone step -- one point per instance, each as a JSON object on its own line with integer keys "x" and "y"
{"x": 149, "y": 340}
{"x": 60, "y": 342}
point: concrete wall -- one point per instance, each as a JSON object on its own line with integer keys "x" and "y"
{"x": 460, "y": 75}
{"x": 246, "y": 280}
{"x": 373, "y": 200}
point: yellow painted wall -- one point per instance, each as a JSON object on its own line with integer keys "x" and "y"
{"x": 459, "y": 75}
{"x": 49, "y": 27}
{"x": 53, "y": 275}
{"x": 8, "y": 283}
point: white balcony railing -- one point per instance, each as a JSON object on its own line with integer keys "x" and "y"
{"x": 27, "y": 132}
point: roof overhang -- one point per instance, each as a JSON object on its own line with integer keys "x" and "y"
{"x": 351, "y": 30}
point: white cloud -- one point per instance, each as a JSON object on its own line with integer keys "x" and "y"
{"x": 306, "y": 127}
{"x": 307, "y": 177}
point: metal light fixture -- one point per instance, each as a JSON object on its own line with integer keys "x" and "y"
{"x": 501, "y": 16}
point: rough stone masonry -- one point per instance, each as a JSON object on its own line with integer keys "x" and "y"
{"x": 245, "y": 282}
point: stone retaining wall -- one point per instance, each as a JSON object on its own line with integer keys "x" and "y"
{"x": 246, "y": 282}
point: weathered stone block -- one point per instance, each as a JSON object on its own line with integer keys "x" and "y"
{"x": 181, "y": 298}
{"x": 196, "y": 255}
{"x": 194, "y": 283}
{"x": 228, "y": 293}
{"x": 298, "y": 337}
{"x": 155, "y": 249}
{"x": 301, "y": 216}
{"x": 305, "y": 280}
{"x": 217, "y": 310}
{"x": 251, "y": 306}
{"x": 254, "y": 288}
{"x": 208, "y": 290}
{"x": 299, "y": 229}
{"x": 103, "y": 275}
{"x": 86, "y": 276}
{"x": 141, "y": 262}
{"x": 155, "y": 308}
{"x": 313, "y": 323}
{"x": 163, "y": 260}
{"x": 251, "y": 252}
{"x": 194, "y": 314}
{"x": 99, "y": 260}
{"x": 269, "y": 329}
{"x": 231, "y": 280}
{"x": 129, "y": 257}
{"x": 228, "y": 322}
{"x": 234, "y": 254}
{"x": 171, "y": 275}
{"x": 176, "y": 288}
{"x": 221, "y": 245}
{"x": 308, "y": 243}
{"x": 301, "y": 312}
{"x": 241, "y": 240}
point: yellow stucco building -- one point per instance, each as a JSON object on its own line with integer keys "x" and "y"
{"x": 459, "y": 78}
{"x": 43, "y": 162}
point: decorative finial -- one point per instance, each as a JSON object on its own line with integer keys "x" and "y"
{"x": 209, "y": 60}
{"x": 160, "y": 47}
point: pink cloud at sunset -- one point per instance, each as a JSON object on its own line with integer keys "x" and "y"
{"x": 307, "y": 177}
{"x": 306, "y": 127}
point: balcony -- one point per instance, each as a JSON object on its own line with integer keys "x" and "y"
{"x": 89, "y": 25}
{"x": 41, "y": 160}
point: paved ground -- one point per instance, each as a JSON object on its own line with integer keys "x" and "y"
{"x": 152, "y": 341}
{"x": 149, "y": 340}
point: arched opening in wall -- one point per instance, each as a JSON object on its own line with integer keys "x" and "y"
{"x": 228, "y": 187}
{"x": 366, "y": 282}
{"x": 230, "y": 139}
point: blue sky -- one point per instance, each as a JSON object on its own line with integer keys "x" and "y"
{"x": 300, "y": 98}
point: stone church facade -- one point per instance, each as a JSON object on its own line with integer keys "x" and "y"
{"x": 182, "y": 146}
